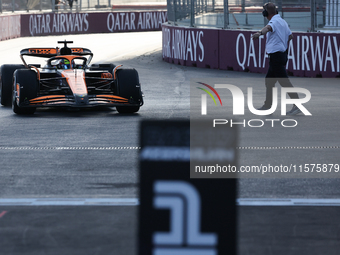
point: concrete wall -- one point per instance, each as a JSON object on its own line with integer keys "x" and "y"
{"x": 309, "y": 54}
{"x": 96, "y": 22}
{"x": 45, "y": 24}
{"x": 9, "y": 27}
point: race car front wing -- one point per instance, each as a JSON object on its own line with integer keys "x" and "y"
{"x": 80, "y": 101}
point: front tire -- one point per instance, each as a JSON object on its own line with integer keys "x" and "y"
{"x": 128, "y": 86}
{"x": 127, "y": 109}
{"x": 6, "y": 80}
{"x": 26, "y": 85}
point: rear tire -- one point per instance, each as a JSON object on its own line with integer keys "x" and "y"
{"x": 28, "y": 89}
{"x": 128, "y": 86}
{"x": 6, "y": 81}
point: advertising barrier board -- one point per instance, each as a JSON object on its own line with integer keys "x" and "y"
{"x": 309, "y": 54}
{"x": 85, "y": 23}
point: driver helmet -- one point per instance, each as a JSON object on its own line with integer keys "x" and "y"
{"x": 66, "y": 64}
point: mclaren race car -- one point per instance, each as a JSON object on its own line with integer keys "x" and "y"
{"x": 68, "y": 80}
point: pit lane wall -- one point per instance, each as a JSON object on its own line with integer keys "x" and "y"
{"x": 309, "y": 54}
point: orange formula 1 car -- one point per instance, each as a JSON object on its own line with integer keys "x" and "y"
{"x": 67, "y": 80}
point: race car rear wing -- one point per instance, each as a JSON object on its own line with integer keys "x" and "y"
{"x": 52, "y": 52}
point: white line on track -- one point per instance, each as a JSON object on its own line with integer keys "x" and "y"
{"x": 69, "y": 202}
{"x": 135, "y": 202}
{"x": 288, "y": 202}
{"x": 68, "y": 148}
{"x": 138, "y": 148}
{"x": 287, "y": 147}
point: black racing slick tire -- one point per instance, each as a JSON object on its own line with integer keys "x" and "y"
{"x": 128, "y": 86}
{"x": 6, "y": 81}
{"x": 25, "y": 87}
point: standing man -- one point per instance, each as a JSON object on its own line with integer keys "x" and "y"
{"x": 278, "y": 37}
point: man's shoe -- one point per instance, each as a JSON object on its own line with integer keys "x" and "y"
{"x": 264, "y": 107}
{"x": 294, "y": 111}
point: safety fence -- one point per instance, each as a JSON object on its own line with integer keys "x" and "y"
{"x": 301, "y": 15}
{"x": 52, "y": 5}
{"x": 78, "y": 5}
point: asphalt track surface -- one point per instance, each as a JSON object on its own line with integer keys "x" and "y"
{"x": 81, "y": 154}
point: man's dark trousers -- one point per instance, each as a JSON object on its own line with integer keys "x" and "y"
{"x": 277, "y": 72}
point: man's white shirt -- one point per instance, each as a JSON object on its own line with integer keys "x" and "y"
{"x": 277, "y": 40}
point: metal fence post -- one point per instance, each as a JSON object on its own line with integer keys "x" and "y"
{"x": 279, "y": 8}
{"x": 226, "y": 14}
{"x": 337, "y": 13}
{"x": 331, "y": 13}
{"x": 327, "y": 13}
{"x": 53, "y": 6}
{"x": 188, "y": 7}
{"x": 192, "y": 13}
{"x": 13, "y": 8}
{"x": 264, "y": 18}
{"x": 168, "y": 9}
{"x": 312, "y": 15}
{"x": 175, "y": 10}
{"x": 323, "y": 16}
{"x": 0, "y": 6}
